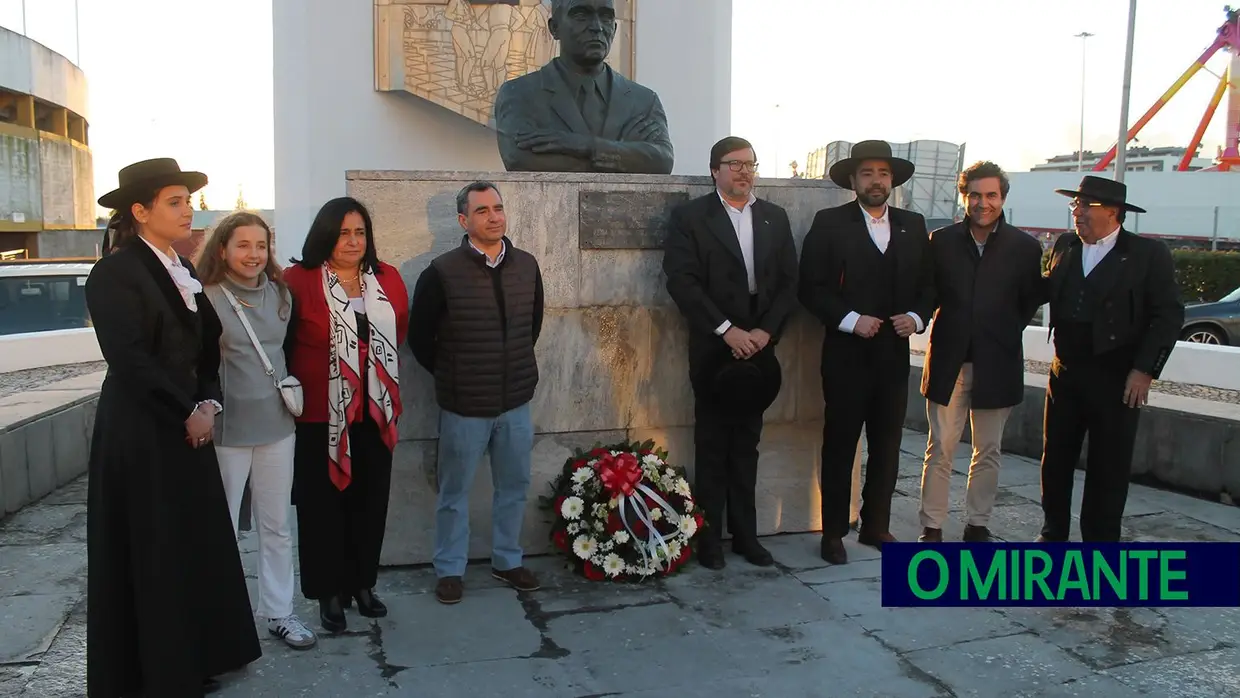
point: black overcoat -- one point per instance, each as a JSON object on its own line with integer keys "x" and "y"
{"x": 984, "y": 301}
{"x": 168, "y": 604}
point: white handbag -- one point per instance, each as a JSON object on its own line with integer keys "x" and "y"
{"x": 290, "y": 388}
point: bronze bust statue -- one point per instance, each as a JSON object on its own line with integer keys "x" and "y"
{"x": 576, "y": 114}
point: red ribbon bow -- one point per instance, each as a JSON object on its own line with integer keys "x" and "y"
{"x": 620, "y": 474}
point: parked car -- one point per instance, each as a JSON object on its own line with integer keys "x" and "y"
{"x": 37, "y": 296}
{"x": 1213, "y": 323}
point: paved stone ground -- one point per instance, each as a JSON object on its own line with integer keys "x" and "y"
{"x": 801, "y": 629}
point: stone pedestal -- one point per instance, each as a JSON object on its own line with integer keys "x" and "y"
{"x": 612, "y": 354}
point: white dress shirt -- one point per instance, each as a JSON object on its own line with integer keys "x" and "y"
{"x": 742, "y": 223}
{"x": 187, "y": 285}
{"x": 1092, "y": 254}
{"x": 880, "y": 233}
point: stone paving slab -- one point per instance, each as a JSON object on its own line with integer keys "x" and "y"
{"x": 802, "y": 628}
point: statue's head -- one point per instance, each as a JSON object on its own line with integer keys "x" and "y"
{"x": 584, "y": 28}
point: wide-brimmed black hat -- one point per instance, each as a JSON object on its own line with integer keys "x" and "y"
{"x": 746, "y": 386}
{"x": 901, "y": 169}
{"x": 1103, "y": 190}
{"x": 137, "y": 180}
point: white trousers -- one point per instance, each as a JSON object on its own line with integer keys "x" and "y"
{"x": 946, "y": 427}
{"x": 270, "y": 472}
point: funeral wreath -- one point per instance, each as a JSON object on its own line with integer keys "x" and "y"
{"x": 621, "y": 512}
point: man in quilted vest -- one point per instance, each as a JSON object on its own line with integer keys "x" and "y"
{"x": 476, "y": 314}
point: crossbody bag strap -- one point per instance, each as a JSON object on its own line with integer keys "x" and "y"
{"x": 262, "y": 354}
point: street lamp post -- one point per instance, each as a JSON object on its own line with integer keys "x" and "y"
{"x": 1080, "y": 151}
{"x": 1121, "y": 149}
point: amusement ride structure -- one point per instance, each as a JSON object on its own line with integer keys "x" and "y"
{"x": 1227, "y": 39}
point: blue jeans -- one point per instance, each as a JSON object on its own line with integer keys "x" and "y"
{"x": 509, "y": 439}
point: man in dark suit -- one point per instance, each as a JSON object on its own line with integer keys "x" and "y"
{"x": 867, "y": 274}
{"x": 988, "y": 285}
{"x": 731, "y": 266}
{"x": 1116, "y": 314}
{"x": 576, "y": 114}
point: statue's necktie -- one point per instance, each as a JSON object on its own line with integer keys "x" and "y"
{"x": 593, "y": 108}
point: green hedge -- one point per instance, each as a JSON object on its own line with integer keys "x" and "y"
{"x": 1204, "y": 276}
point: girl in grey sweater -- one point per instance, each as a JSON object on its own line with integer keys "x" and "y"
{"x": 254, "y": 434}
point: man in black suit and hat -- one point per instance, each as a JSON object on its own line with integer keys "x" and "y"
{"x": 868, "y": 275}
{"x": 1116, "y": 315}
{"x": 731, "y": 266}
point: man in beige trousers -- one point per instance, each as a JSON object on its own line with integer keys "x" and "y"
{"x": 988, "y": 278}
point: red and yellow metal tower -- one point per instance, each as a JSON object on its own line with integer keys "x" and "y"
{"x": 1227, "y": 39}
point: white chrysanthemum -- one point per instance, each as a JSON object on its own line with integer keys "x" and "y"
{"x": 656, "y": 514}
{"x": 688, "y": 525}
{"x": 676, "y": 549}
{"x": 651, "y": 459}
{"x": 583, "y": 475}
{"x": 584, "y": 547}
{"x": 613, "y": 565}
{"x": 682, "y": 488}
{"x": 621, "y": 537}
{"x": 572, "y": 508}
{"x": 688, "y": 505}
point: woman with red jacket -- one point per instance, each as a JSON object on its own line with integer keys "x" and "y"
{"x": 350, "y": 316}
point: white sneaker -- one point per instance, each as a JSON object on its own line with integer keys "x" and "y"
{"x": 294, "y": 633}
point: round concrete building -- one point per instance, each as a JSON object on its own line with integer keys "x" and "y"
{"x": 47, "y": 192}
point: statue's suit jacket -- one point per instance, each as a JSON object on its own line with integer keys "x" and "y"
{"x": 543, "y": 100}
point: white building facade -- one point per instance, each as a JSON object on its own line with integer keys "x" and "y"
{"x": 1193, "y": 206}
{"x": 1138, "y": 159}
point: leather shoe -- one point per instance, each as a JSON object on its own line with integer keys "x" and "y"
{"x": 368, "y": 604}
{"x": 754, "y": 553}
{"x": 833, "y": 551}
{"x": 710, "y": 556}
{"x": 930, "y": 535}
{"x": 976, "y": 534}
{"x": 875, "y": 540}
{"x": 449, "y": 590}
{"x": 331, "y": 614}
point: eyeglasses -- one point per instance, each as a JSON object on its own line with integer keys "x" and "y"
{"x": 738, "y": 165}
{"x": 1077, "y": 203}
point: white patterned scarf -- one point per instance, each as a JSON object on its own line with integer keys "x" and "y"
{"x": 344, "y": 377}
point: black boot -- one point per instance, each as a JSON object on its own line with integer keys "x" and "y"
{"x": 368, "y": 604}
{"x": 710, "y": 553}
{"x": 331, "y": 614}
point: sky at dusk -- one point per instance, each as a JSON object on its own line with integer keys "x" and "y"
{"x": 1002, "y": 76}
